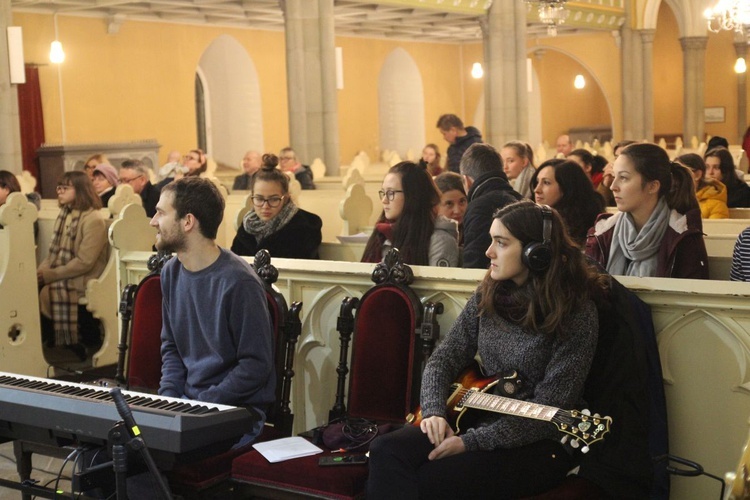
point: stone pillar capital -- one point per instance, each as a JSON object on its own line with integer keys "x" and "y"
{"x": 693, "y": 43}
{"x": 484, "y": 25}
{"x": 647, "y": 36}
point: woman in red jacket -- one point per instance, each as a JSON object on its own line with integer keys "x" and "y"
{"x": 658, "y": 230}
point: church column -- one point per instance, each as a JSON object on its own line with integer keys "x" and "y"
{"x": 505, "y": 92}
{"x": 10, "y": 132}
{"x": 311, "y": 81}
{"x": 740, "y": 48}
{"x": 694, "y": 80}
{"x": 647, "y": 53}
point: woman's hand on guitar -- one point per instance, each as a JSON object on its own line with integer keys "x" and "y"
{"x": 452, "y": 445}
{"x": 437, "y": 429}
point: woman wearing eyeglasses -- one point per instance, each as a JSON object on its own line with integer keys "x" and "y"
{"x": 275, "y": 223}
{"x": 77, "y": 254}
{"x": 410, "y": 221}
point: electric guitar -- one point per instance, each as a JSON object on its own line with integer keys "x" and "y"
{"x": 472, "y": 390}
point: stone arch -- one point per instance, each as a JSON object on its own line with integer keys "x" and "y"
{"x": 401, "y": 104}
{"x": 616, "y": 126}
{"x": 233, "y": 103}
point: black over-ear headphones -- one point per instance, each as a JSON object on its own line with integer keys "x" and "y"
{"x": 537, "y": 256}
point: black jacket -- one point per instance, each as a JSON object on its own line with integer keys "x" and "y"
{"x": 150, "y": 197}
{"x": 242, "y": 182}
{"x": 299, "y": 239}
{"x": 459, "y": 147}
{"x": 488, "y": 193}
{"x": 738, "y": 195}
{"x": 305, "y": 177}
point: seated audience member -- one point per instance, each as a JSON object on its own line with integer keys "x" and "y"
{"x": 9, "y": 184}
{"x": 518, "y": 165}
{"x": 431, "y": 160}
{"x": 136, "y": 174}
{"x": 563, "y": 146}
{"x": 458, "y": 137}
{"x": 717, "y": 142}
{"x": 172, "y": 167}
{"x": 740, "y": 270}
{"x": 409, "y": 221}
{"x": 217, "y": 348}
{"x": 289, "y": 163}
{"x": 658, "y": 229}
{"x": 105, "y": 181}
{"x": 92, "y": 162}
{"x": 711, "y": 194}
{"x": 562, "y": 185}
{"x": 195, "y": 164}
{"x": 275, "y": 223}
{"x": 746, "y": 142}
{"x": 720, "y": 166}
{"x": 488, "y": 190}
{"x": 608, "y": 176}
{"x": 251, "y": 163}
{"x": 536, "y": 317}
{"x": 77, "y": 254}
{"x": 453, "y": 199}
{"x": 593, "y": 166}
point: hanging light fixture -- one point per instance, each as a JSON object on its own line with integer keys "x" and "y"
{"x": 477, "y": 71}
{"x": 740, "y": 66}
{"x": 730, "y": 15}
{"x": 579, "y": 82}
{"x": 552, "y": 13}
{"x": 56, "y": 53}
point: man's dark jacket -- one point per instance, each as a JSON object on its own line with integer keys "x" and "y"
{"x": 459, "y": 147}
{"x": 488, "y": 193}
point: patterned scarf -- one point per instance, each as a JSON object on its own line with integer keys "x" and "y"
{"x": 263, "y": 229}
{"x": 63, "y": 294}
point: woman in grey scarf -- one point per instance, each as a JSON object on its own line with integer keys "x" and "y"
{"x": 658, "y": 231}
{"x": 275, "y": 223}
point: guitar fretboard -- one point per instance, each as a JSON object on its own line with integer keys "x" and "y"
{"x": 499, "y": 404}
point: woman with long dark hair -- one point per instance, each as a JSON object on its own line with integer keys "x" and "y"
{"x": 563, "y": 186}
{"x": 77, "y": 254}
{"x": 711, "y": 194}
{"x": 532, "y": 313}
{"x": 658, "y": 229}
{"x": 720, "y": 166}
{"x": 276, "y": 223}
{"x": 409, "y": 220}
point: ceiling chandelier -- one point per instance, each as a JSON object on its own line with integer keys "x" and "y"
{"x": 730, "y": 15}
{"x": 551, "y": 13}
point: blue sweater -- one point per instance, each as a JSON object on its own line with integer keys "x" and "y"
{"x": 217, "y": 342}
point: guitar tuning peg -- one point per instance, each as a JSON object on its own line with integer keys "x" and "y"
{"x": 585, "y": 449}
{"x": 574, "y": 443}
{"x": 586, "y": 412}
{"x": 564, "y": 439}
{"x": 596, "y": 415}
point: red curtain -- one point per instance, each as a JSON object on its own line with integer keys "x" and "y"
{"x": 31, "y": 120}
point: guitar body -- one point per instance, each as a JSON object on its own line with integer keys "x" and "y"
{"x": 471, "y": 378}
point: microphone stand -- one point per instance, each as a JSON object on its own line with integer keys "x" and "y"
{"x": 122, "y": 435}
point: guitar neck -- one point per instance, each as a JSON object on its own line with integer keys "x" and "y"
{"x": 498, "y": 404}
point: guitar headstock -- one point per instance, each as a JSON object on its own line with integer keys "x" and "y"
{"x": 582, "y": 427}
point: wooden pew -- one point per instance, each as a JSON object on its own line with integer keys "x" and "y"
{"x": 703, "y": 334}
{"x": 21, "y": 350}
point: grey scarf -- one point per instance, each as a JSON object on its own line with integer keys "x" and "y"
{"x": 263, "y": 229}
{"x": 636, "y": 253}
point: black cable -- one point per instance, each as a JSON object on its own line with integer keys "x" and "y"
{"x": 73, "y": 453}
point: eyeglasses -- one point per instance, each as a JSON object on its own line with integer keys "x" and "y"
{"x": 89, "y": 167}
{"x": 390, "y": 194}
{"x": 188, "y": 158}
{"x": 128, "y": 181}
{"x": 285, "y": 158}
{"x": 62, "y": 188}
{"x": 273, "y": 201}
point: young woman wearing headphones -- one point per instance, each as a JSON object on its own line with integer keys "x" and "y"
{"x": 531, "y": 314}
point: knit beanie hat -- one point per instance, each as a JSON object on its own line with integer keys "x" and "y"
{"x": 109, "y": 172}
